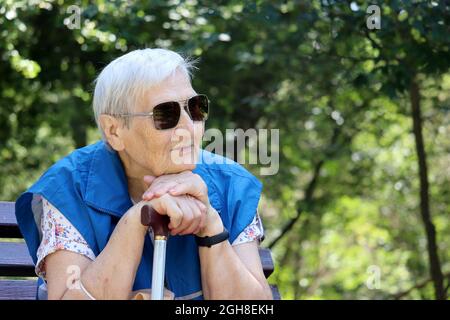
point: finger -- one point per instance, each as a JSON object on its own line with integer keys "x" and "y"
{"x": 195, "y": 219}
{"x": 148, "y": 194}
{"x": 163, "y": 188}
{"x": 187, "y": 217}
{"x": 149, "y": 180}
{"x": 197, "y": 230}
{"x": 189, "y": 187}
{"x": 201, "y": 210}
{"x": 171, "y": 209}
{"x": 163, "y": 184}
{"x": 157, "y": 189}
{"x": 204, "y": 212}
{"x": 197, "y": 214}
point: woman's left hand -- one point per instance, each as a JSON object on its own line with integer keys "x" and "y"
{"x": 184, "y": 183}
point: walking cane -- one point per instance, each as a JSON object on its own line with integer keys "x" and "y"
{"x": 159, "y": 224}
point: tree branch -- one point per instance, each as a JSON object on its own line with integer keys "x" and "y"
{"x": 372, "y": 40}
{"x": 430, "y": 230}
{"x": 419, "y": 285}
{"x": 309, "y": 192}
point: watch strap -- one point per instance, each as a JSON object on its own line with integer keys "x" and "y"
{"x": 210, "y": 241}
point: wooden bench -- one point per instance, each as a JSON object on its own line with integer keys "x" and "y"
{"x": 15, "y": 260}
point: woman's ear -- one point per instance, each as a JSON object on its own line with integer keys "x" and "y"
{"x": 113, "y": 131}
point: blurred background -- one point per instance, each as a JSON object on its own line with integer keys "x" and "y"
{"x": 359, "y": 208}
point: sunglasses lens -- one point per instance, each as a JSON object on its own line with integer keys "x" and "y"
{"x": 198, "y": 107}
{"x": 166, "y": 115}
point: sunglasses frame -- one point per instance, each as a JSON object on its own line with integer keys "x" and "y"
{"x": 181, "y": 103}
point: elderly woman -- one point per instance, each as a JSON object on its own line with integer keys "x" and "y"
{"x": 81, "y": 220}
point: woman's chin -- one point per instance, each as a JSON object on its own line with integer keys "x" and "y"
{"x": 177, "y": 168}
{"x": 182, "y": 163}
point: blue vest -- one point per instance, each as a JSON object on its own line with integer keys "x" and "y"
{"x": 90, "y": 188}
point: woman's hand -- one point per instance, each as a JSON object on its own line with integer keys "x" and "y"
{"x": 187, "y": 214}
{"x": 184, "y": 183}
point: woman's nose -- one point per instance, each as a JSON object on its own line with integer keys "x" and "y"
{"x": 185, "y": 121}
{"x": 184, "y": 131}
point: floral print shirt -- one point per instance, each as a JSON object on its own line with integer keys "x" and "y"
{"x": 59, "y": 234}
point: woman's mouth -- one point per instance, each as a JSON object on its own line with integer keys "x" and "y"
{"x": 184, "y": 149}
{"x": 183, "y": 155}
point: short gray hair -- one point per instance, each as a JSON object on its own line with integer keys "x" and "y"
{"x": 123, "y": 81}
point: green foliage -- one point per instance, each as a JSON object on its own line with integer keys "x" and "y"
{"x": 336, "y": 90}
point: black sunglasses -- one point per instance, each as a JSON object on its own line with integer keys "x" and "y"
{"x": 167, "y": 114}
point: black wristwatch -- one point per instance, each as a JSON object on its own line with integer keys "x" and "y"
{"x": 210, "y": 241}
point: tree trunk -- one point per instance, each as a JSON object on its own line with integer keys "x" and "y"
{"x": 433, "y": 256}
{"x": 79, "y": 130}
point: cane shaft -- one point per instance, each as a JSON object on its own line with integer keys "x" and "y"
{"x": 159, "y": 262}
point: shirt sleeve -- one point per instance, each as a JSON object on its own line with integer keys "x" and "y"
{"x": 253, "y": 232}
{"x": 58, "y": 234}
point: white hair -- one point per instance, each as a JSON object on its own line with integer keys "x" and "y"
{"x": 123, "y": 81}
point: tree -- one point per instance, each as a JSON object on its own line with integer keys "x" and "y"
{"x": 342, "y": 96}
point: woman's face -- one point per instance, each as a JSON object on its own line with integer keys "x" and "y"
{"x": 147, "y": 150}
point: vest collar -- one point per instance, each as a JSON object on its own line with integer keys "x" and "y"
{"x": 107, "y": 186}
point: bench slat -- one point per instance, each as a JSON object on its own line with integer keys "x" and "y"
{"x": 15, "y": 260}
{"x": 26, "y": 290}
{"x": 8, "y": 222}
{"x": 266, "y": 260}
{"x": 18, "y": 289}
{"x": 275, "y": 292}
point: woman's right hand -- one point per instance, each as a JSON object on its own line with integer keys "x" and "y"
{"x": 187, "y": 214}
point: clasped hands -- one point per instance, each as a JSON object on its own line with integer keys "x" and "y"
{"x": 184, "y": 198}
